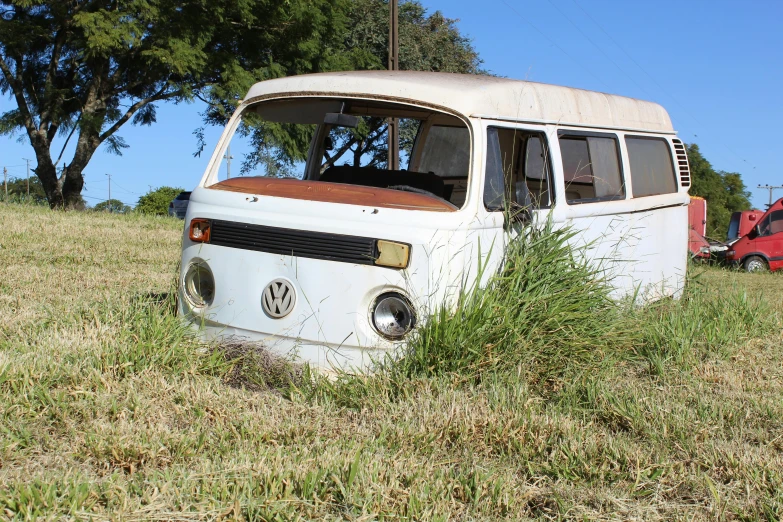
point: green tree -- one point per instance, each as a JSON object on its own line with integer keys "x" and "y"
{"x": 112, "y": 205}
{"x": 81, "y": 69}
{"x": 18, "y": 190}
{"x": 724, "y": 191}
{"x": 428, "y": 42}
{"x": 157, "y": 201}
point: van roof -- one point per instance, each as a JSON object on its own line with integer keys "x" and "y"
{"x": 480, "y": 96}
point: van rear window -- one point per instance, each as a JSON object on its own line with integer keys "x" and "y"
{"x": 652, "y": 170}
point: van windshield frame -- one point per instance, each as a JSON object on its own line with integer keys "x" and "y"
{"x": 348, "y": 146}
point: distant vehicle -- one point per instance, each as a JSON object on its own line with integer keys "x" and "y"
{"x": 700, "y": 246}
{"x": 336, "y": 265}
{"x": 741, "y": 223}
{"x": 697, "y": 228}
{"x": 762, "y": 247}
{"x": 179, "y": 205}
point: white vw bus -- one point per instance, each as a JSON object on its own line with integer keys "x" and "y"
{"x": 334, "y": 257}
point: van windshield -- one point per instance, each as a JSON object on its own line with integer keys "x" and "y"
{"x": 346, "y": 142}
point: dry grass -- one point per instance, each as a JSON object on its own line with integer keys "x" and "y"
{"x": 109, "y": 409}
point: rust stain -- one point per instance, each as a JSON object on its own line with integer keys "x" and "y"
{"x": 334, "y": 193}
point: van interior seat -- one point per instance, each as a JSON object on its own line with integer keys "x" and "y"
{"x": 372, "y": 177}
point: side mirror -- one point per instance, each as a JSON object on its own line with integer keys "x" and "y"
{"x": 754, "y": 232}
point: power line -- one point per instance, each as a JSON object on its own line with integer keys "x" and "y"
{"x": 653, "y": 78}
{"x": 126, "y": 190}
{"x": 599, "y": 48}
{"x": 104, "y": 199}
{"x": 542, "y": 33}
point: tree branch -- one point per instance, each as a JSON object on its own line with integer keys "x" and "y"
{"x": 18, "y": 89}
{"x": 339, "y": 154}
{"x": 70, "y": 134}
{"x": 160, "y": 95}
{"x": 59, "y": 40}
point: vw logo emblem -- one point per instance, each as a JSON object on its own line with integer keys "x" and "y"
{"x": 279, "y": 298}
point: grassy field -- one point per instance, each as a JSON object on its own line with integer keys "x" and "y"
{"x": 110, "y": 409}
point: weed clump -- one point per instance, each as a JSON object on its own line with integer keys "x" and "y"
{"x": 548, "y": 312}
{"x": 253, "y": 367}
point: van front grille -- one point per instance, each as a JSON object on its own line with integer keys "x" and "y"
{"x": 297, "y": 243}
{"x": 682, "y": 163}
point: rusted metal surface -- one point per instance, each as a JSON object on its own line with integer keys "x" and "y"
{"x": 334, "y": 193}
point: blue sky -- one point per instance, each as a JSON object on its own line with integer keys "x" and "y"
{"x": 716, "y": 66}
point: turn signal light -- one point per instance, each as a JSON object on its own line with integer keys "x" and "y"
{"x": 393, "y": 255}
{"x": 200, "y": 230}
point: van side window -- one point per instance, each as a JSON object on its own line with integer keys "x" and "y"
{"x": 591, "y": 168}
{"x": 494, "y": 179}
{"x": 652, "y": 170}
{"x": 772, "y": 225}
{"x": 518, "y": 170}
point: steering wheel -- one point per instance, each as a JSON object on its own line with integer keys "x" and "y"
{"x": 408, "y": 188}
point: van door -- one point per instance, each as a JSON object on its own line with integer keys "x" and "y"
{"x": 770, "y": 239}
{"x": 515, "y": 188}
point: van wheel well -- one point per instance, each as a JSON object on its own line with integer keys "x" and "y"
{"x": 755, "y": 264}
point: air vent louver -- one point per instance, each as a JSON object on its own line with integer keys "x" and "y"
{"x": 298, "y": 243}
{"x": 682, "y": 163}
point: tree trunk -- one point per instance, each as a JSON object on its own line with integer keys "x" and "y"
{"x": 64, "y": 191}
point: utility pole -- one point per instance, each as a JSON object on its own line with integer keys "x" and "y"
{"x": 5, "y": 181}
{"x": 109, "y": 191}
{"x": 228, "y": 157}
{"x": 28, "y": 177}
{"x": 394, "y": 65}
{"x": 770, "y": 188}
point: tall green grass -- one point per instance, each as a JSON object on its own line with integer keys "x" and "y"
{"x": 547, "y": 311}
{"x": 704, "y": 323}
{"x": 548, "y": 318}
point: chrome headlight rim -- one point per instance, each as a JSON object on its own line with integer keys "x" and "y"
{"x": 393, "y": 297}
{"x": 193, "y": 289}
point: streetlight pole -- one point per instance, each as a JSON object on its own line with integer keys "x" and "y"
{"x": 28, "y": 177}
{"x": 394, "y": 65}
{"x": 770, "y": 188}
{"x": 228, "y": 157}
{"x": 109, "y": 192}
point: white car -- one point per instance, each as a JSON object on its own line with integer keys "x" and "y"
{"x": 179, "y": 205}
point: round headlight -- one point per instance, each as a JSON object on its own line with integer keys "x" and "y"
{"x": 393, "y": 315}
{"x": 199, "y": 285}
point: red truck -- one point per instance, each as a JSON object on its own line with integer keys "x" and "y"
{"x": 741, "y": 223}
{"x": 697, "y": 228}
{"x": 761, "y": 248}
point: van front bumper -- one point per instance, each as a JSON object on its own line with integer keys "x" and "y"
{"x": 323, "y": 356}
